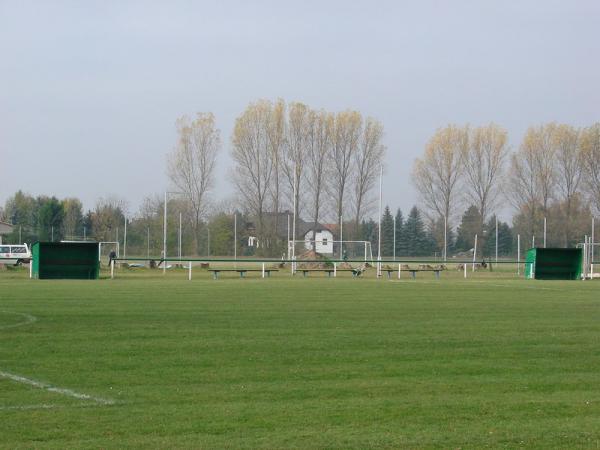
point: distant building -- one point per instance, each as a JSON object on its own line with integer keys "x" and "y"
{"x": 282, "y": 223}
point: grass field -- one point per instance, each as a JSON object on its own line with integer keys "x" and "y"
{"x": 146, "y": 361}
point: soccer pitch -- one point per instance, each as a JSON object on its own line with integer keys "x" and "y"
{"x": 146, "y": 361}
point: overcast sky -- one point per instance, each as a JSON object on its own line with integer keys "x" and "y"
{"x": 90, "y": 91}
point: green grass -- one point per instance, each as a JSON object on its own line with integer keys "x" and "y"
{"x": 490, "y": 361}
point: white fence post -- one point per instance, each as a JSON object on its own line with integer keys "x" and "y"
{"x": 399, "y": 271}
{"x": 112, "y": 268}
{"x": 334, "y": 270}
{"x": 465, "y": 267}
{"x": 263, "y": 270}
{"x": 190, "y": 271}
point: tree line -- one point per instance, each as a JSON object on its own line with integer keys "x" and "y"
{"x": 553, "y": 177}
{"x": 323, "y": 166}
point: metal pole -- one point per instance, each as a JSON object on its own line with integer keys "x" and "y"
{"x": 179, "y": 236}
{"x": 294, "y": 219}
{"x": 148, "y": 243}
{"x": 474, "y": 253}
{"x": 52, "y": 233}
{"x": 496, "y": 239}
{"x": 125, "y": 240}
{"x": 235, "y": 235}
{"x": 21, "y": 239}
{"x": 544, "y": 232}
{"x": 445, "y": 237}
{"x": 379, "y": 228}
{"x": 341, "y": 235}
{"x": 84, "y": 234}
{"x": 394, "y": 252}
{"x": 592, "y": 251}
{"x": 208, "y": 240}
{"x": 518, "y": 253}
{"x": 533, "y": 241}
{"x": 288, "y": 237}
{"x": 165, "y": 236}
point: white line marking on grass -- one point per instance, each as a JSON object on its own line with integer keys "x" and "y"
{"x": 26, "y": 407}
{"x": 28, "y": 320}
{"x": 50, "y": 388}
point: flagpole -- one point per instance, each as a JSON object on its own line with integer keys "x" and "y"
{"x": 379, "y": 228}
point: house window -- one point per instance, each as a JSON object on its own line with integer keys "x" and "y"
{"x": 324, "y": 241}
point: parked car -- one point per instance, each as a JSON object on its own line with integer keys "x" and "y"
{"x": 16, "y": 254}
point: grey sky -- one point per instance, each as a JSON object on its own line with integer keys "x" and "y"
{"x": 89, "y": 91}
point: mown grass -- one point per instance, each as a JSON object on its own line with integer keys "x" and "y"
{"x": 490, "y": 361}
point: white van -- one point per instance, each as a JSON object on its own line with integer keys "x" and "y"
{"x": 16, "y": 254}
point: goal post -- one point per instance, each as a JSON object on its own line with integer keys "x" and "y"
{"x": 104, "y": 249}
{"x": 332, "y": 249}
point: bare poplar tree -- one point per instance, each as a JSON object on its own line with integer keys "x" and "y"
{"x": 437, "y": 174}
{"x": 346, "y": 138}
{"x": 368, "y": 159}
{"x": 276, "y": 137}
{"x": 569, "y": 166}
{"x": 296, "y": 152}
{"x": 191, "y": 164}
{"x": 522, "y": 186}
{"x": 484, "y": 160}
{"x": 253, "y": 160}
{"x": 321, "y": 125}
{"x": 541, "y": 140}
{"x": 590, "y": 149}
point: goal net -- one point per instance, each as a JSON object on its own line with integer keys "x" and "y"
{"x": 350, "y": 250}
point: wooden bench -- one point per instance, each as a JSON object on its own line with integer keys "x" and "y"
{"x": 305, "y": 272}
{"x": 413, "y": 272}
{"x": 242, "y": 272}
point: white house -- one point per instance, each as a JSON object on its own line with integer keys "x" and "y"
{"x": 323, "y": 238}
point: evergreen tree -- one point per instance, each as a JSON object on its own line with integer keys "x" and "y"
{"x": 400, "y": 241}
{"x": 505, "y": 239}
{"x": 369, "y": 233}
{"x": 387, "y": 233}
{"x": 415, "y": 234}
{"x": 469, "y": 226}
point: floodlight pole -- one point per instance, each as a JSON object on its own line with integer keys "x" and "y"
{"x": 288, "y": 236}
{"x": 474, "y": 254}
{"x": 592, "y": 250}
{"x": 180, "y": 237}
{"x": 544, "y": 232}
{"x": 379, "y": 228}
{"x": 445, "y": 237}
{"x": 294, "y": 221}
{"x": 518, "y": 253}
{"x": 394, "y": 251}
{"x": 496, "y": 239}
{"x": 341, "y": 235}
{"x": 235, "y": 236}
{"x": 165, "y": 236}
{"x": 125, "y": 240}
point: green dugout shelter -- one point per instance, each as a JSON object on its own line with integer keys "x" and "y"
{"x": 60, "y": 260}
{"x": 554, "y": 263}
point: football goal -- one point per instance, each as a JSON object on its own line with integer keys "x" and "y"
{"x": 104, "y": 249}
{"x": 351, "y": 250}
